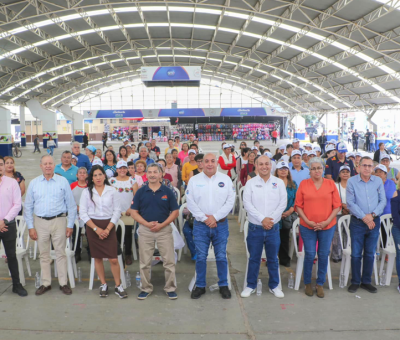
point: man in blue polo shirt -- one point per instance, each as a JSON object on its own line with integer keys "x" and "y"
{"x": 297, "y": 171}
{"x": 66, "y": 168}
{"x": 83, "y": 160}
{"x": 154, "y": 208}
{"x": 144, "y": 156}
{"x": 334, "y": 163}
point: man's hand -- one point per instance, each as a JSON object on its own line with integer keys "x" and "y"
{"x": 3, "y": 227}
{"x": 267, "y": 223}
{"x": 128, "y": 212}
{"x": 69, "y": 232}
{"x": 157, "y": 227}
{"x": 211, "y": 222}
{"x": 33, "y": 234}
{"x": 150, "y": 224}
{"x": 367, "y": 218}
{"x": 371, "y": 225}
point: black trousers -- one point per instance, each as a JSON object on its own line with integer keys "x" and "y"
{"x": 104, "y": 144}
{"x": 9, "y": 241}
{"x": 36, "y": 148}
{"x": 127, "y": 240}
{"x": 78, "y": 243}
{"x": 273, "y": 140}
{"x": 284, "y": 258}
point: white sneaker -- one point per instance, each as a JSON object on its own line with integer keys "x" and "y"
{"x": 398, "y": 288}
{"x": 277, "y": 292}
{"x": 247, "y": 292}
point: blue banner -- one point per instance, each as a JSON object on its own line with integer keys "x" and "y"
{"x": 115, "y": 114}
{"x": 89, "y": 121}
{"x": 171, "y": 73}
{"x": 242, "y": 112}
{"x": 181, "y": 113}
{"x": 69, "y": 121}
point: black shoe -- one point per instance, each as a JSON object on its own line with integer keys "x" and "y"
{"x": 225, "y": 292}
{"x": 337, "y": 260}
{"x": 78, "y": 258}
{"x": 353, "y": 288}
{"x": 287, "y": 265}
{"x": 368, "y": 287}
{"x": 197, "y": 292}
{"x": 18, "y": 289}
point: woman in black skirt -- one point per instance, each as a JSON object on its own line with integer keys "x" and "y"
{"x": 100, "y": 210}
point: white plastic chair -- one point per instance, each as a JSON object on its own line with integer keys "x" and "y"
{"x": 238, "y": 187}
{"x": 388, "y": 249}
{"x": 183, "y": 199}
{"x": 134, "y": 250}
{"x": 210, "y": 257}
{"x": 70, "y": 253}
{"x": 121, "y": 225}
{"x": 178, "y": 195}
{"x": 344, "y": 224}
{"x": 21, "y": 249}
{"x": 263, "y": 256}
{"x": 299, "y": 254}
{"x": 181, "y": 223}
{"x": 242, "y": 211}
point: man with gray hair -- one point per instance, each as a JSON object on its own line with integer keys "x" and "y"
{"x": 210, "y": 197}
{"x": 152, "y": 154}
{"x": 49, "y": 201}
{"x": 83, "y": 160}
{"x": 155, "y": 208}
{"x": 144, "y": 156}
{"x": 66, "y": 168}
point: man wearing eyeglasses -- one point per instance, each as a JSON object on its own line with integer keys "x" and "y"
{"x": 366, "y": 200}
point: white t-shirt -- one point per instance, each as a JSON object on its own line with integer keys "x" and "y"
{"x": 125, "y": 192}
{"x": 342, "y": 194}
{"x": 133, "y": 156}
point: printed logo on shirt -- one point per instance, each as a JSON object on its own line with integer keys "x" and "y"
{"x": 187, "y": 192}
{"x": 274, "y": 185}
{"x": 221, "y": 184}
{"x": 164, "y": 198}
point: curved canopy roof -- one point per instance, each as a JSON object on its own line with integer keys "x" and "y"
{"x": 304, "y": 56}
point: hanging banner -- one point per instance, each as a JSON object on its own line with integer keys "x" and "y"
{"x": 181, "y": 113}
{"x": 113, "y": 114}
{"x": 243, "y": 111}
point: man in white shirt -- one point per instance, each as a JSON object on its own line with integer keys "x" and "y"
{"x": 265, "y": 200}
{"x": 210, "y": 197}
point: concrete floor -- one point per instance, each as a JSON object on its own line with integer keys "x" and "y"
{"x": 83, "y": 315}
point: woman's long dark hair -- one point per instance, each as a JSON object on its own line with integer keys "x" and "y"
{"x": 114, "y": 157}
{"x": 90, "y": 183}
{"x": 126, "y": 150}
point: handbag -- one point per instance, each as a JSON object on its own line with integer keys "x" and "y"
{"x": 288, "y": 221}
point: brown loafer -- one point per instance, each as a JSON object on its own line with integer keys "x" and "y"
{"x": 309, "y": 291}
{"x": 128, "y": 260}
{"x": 42, "y": 289}
{"x": 320, "y": 291}
{"x": 66, "y": 290}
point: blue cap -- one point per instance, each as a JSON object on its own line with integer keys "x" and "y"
{"x": 341, "y": 147}
{"x": 91, "y": 148}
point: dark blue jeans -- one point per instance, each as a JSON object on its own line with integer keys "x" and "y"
{"x": 257, "y": 238}
{"x": 396, "y": 238}
{"x": 218, "y": 237}
{"x": 363, "y": 239}
{"x": 188, "y": 232}
{"x": 310, "y": 238}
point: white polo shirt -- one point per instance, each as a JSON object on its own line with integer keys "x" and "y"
{"x": 210, "y": 196}
{"x": 264, "y": 199}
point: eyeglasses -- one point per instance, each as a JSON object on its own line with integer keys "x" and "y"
{"x": 201, "y": 161}
{"x": 369, "y": 166}
{"x": 316, "y": 169}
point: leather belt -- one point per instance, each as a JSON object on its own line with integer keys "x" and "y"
{"x": 222, "y": 220}
{"x": 53, "y": 217}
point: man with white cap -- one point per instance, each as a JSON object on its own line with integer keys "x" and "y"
{"x": 390, "y": 188}
{"x": 334, "y": 163}
{"x": 280, "y": 153}
{"x": 392, "y": 173}
{"x": 227, "y": 161}
{"x": 298, "y": 172}
{"x": 265, "y": 200}
{"x": 210, "y": 197}
{"x": 329, "y": 151}
{"x": 126, "y": 141}
{"x": 317, "y": 150}
{"x": 308, "y": 146}
{"x": 296, "y": 144}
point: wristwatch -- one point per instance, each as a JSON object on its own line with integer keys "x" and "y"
{"x": 6, "y": 221}
{"x": 373, "y": 215}
{"x": 94, "y": 229}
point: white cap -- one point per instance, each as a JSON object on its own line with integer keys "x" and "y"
{"x": 268, "y": 154}
{"x": 109, "y": 173}
{"x": 317, "y": 148}
{"x": 282, "y": 164}
{"x": 74, "y": 157}
{"x": 359, "y": 154}
{"x": 128, "y": 145}
{"x": 308, "y": 145}
{"x": 226, "y": 146}
{"x": 329, "y": 147}
{"x": 282, "y": 147}
{"x": 285, "y": 158}
{"x": 350, "y": 154}
{"x": 385, "y": 156}
{"x": 381, "y": 167}
{"x": 296, "y": 140}
{"x": 194, "y": 151}
{"x": 333, "y": 141}
{"x": 121, "y": 164}
{"x": 97, "y": 162}
{"x": 126, "y": 140}
{"x": 254, "y": 148}
{"x": 311, "y": 152}
{"x": 296, "y": 152}
{"x": 344, "y": 167}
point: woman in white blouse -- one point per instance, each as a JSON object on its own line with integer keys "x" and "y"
{"x": 341, "y": 185}
{"x": 99, "y": 208}
{"x": 126, "y": 188}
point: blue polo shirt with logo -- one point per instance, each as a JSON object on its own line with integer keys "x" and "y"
{"x": 155, "y": 205}
{"x": 333, "y": 165}
{"x": 300, "y": 175}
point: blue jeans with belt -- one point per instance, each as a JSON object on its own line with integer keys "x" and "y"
{"x": 363, "y": 239}
{"x": 257, "y": 238}
{"x": 218, "y": 237}
{"x": 396, "y": 239}
{"x": 310, "y": 238}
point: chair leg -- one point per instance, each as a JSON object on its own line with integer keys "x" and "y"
{"x": 70, "y": 272}
{"x": 91, "y": 278}
{"x": 35, "y": 250}
{"x": 381, "y": 266}
{"x": 74, "y": 267}
{"x": 329, "y": 273}
{"x": 280, "y": 280}
{"x": 192, "y": 282}
{"x": 28, "y": 266}
{"x": 299, "y": 271}
{"x": 134, "y": 250}
{"x": 122, "y": 274}
{"x": 21, "y": 270}
{"x": 347, "y": 269}
{"x": 389, "y": 268}
{"x": 229, "y": 280}
{"x": 376, "y": 271}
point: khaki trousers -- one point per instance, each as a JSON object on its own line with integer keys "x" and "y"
{"x": 54, "y": 231}
{"x": 165, "y": 244}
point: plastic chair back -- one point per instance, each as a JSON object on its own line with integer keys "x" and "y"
{"x": 178, "y": 195}
{"x": 121, "y": 225}
{"x": 69, "y": 241}
{"x": 241, "y": 198}
{"x": 344, "y": 225}
{"x": 21, "y": 226}
{"x": 387, "y": 225}
{"x": 180, "y": 217}
{"x": 295, "y": 230}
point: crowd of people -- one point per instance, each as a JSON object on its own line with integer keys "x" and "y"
{"x": 139, "y": 187}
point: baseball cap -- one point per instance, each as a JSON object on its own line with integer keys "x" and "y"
{"x": 381, "y": 167}
{"x": 126, "y": 140}
{"x": 194, "y": 151}
{"x": 317, "y": 148}
{"x": 384, "y": 156}
{"x": 226, "y": 146}
{"x": 128, "y": 146}
{"x": 308, "y": 145}
{"x": 97, "y": 162}
{"x": 332, "y": 141}
{"x": 268, "y": 154}
{"x": 341, "y": 147}
{"x": 296, "y": 140}
{"x": 91, "y": 148}
{"x": 284, "y": 158}
{"x": 344, "y": 167}
{"x": 121, "y": 164}
{"x": 329, "y": 148}
{"x": 359, "y": 154}
{"x": 254, "y": 148}
{"x": 296, "y": 152}
{"x": 282, "y": 164}
{"x": 311, "y": 152}
{"x": 74, "y": 157}
{"x": 282, "y": 147}
{"x": 350, "y": 154}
